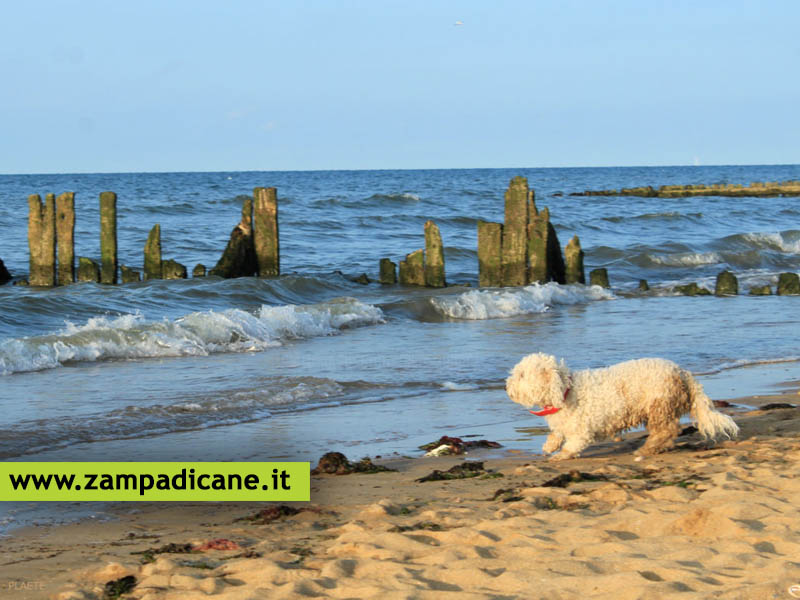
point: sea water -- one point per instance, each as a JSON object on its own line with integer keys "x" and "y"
{"x": 309, "y": 362}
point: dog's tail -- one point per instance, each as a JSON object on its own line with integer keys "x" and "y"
{"x": 710, "y": 422}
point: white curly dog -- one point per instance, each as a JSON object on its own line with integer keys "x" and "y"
{"x": 582, "y": 407}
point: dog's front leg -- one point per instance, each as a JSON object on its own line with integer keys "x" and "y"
{"x": 553, "y": 442}
{"x": 572, "y": 449}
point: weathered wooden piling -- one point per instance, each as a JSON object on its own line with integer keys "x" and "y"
{"x": 599, "y": 277}
{"x": 88, "y": 270}
{"x": 108, "y": 237}
{"x": 152, "y": 254}
{"x": 788, "y": 284}
{"x": 412, "y": 269}
{"x": 172, "y": 269}
{"x": 129, "y": 275}
{"x": 692, "y": 289}
{"x": 42, "y": 240}
{"x": 726, "y": 285}
{"x": 199, "y": 270}
{"x": 643, "y": 285}
{"x": 49, "y": 237}
{"x": 490, "y": 248}
{"x": 65, "y": 237}
{"x": 5, "y": 276}
{"x": 388, "y": 272}
{"x": 573, "y": 258}
{"x": 761, "y": 290}
{"x": 545, "y": 262}
{"x": 265, "y": 231}
{"x": 239, "y": 257}
{"x": 434, "y": 256}
{"x": 515, "y": 236}
{"x": 35, "y": 216}
{"x": 556, "y": 270}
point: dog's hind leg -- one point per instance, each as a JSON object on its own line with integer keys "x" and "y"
{"x": 661, "y": 437}
{"x": 554, "y": 441}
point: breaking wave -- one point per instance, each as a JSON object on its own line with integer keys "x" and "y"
{"x": 536, "y": 298}
{"x": 686, "y": 259}
{"x": 195, "y": 334}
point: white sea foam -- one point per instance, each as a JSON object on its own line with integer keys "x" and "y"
{"x": 536, "y": 298}
{"x": 196, "y": 334}
{"x": 452, "y": 386}
{"x": 687, "y": 259}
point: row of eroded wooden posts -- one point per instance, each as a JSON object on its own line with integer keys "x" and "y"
{"x": 252, "y": 250}
{"x": 522, "y": 250}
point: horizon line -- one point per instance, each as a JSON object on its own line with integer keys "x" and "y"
{"x": 3, "y": 174}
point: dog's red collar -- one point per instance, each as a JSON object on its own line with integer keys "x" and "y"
{"x": 549, "y": 410}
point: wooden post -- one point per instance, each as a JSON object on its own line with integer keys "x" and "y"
{"x": 434, "y": 256}
{"x": 599, "y": 277}
{"x": 88, "y": 270}
{"x": 265, "y": 231}
{"x": 65, "y": 236}
{"x": 35, "y": 216}
{"x": 129, "y": 275}
{"x": 108, "y": 237}
{"x": 412, "y": 269}
{"x": 152, "y": 254}
{"x": 727, "y": 284}
{"x": 490, "y": 271}
{"x": 573, "y": 255}
{"x": 388, "y": 272}
{"x": 172, "y": 269}
{"x": 515, "y": 232}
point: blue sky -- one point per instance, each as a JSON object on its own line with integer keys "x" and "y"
{"x": 206, "y": 86}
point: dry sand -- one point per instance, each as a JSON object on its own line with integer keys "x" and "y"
{"x": 697, "y": 522}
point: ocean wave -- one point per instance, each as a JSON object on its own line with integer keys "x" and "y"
{"x": 749, "y": 362}
{"x": 665, "y": 216}
{"x": 197, "y": 334}
{"x": 685, "y": 259}
{"x": 787, "y": 242}
{"x": 404, "y": 197}
{"x": 536, "y": 298}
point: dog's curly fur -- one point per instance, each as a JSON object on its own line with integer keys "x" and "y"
{"x": 599, "y": 403}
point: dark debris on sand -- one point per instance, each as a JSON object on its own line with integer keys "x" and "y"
{"x": 565, "y": 479}
{"x": 463, "y": 471}
{"x": 336, "y": 463}
{"x": 272, "y": 513}
{"x": 149, "y": 555}
{"x": 117, "y": 587}
{"x": 457, "y": 445}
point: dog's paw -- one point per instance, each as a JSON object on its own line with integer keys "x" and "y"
{"x": 549, "y": 448}
{"x": 564, "y": 456}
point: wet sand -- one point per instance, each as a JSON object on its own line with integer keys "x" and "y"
{"x": 701, "y": 521}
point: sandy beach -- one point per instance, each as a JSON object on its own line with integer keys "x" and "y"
{"x": 698, "y": 522}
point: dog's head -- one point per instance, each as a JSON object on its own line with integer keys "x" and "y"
{"x": 538, "y": 380}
